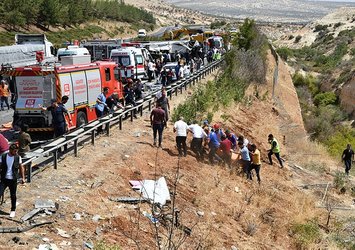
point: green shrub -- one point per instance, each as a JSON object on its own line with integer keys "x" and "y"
{"x": 306, "y": 234}
{"x": 308, "y": 80}
{"x": 298, "y": 38}
{"x": 284, "y": 52}
{"x": 336, "y": 142}
{"x": 320, "y": 27}
{"x": 324, "y": 99}
{"x": 101, "y": 245}
{"x": 339, "y": 180}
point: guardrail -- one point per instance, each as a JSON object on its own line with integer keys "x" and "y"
{"x": 41, "y": 155}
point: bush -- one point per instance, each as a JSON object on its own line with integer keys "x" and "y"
{"x": 339, "y": 180}
{"x": 320, "y": 27}
{"x": 306, "y": 234}
{"x": 324, "y": 99}
{"x": 284, "y": 52}
{"x": 298, "y": 38}
{"x": 337, "y": 141}
{"x": 308, "y": 80}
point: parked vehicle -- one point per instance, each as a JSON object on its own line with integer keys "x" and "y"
{"x": 130, "y": 61}
{"x": 142, "y": 33}
{"x": 82, "y": 83}
{"x": 23, "y": 53}
{"x": 72, "y": 50}
{"x": 100, "y": 49}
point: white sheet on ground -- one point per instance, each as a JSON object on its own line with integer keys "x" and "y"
{"x": 157, "y": 191}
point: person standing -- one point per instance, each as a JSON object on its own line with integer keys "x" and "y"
{"x": 4, "y": 95}
{"x": 198, "y": 135}
{"x": 58, "y": 111}
{"x": 255, "y": 164}
{"x": 181, "y": 129}
{"x": 101, "y": 103}
{"x": 225, "y": 147}
{"x": 151, "y": 70}
{"x": 24, "y": 140}
{"x": 233, "y": 139}
{"x": 157, "y": 120}
{"x": 275, "y": 149}
{"x": 244, "y": 153}
{"x": 347, "y": 157}
{"x": 213, "y": 144}
{"x": 11, "y": 170}
{"x": 164, "y": 103}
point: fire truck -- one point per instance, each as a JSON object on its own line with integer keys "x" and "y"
{"x": 82, "y": 83}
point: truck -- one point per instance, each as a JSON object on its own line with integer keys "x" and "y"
{"x": 37, "y": 85}
{"x": 23, "y": 53}
{"x": 100, "y": 49}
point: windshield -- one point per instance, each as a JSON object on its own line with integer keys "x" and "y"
{"x": 122, "y": 60}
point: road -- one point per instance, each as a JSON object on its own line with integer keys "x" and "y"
{"x": 161, "y": 31}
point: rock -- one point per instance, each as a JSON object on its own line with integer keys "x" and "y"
{"x": 65, "y": 243}
{"x": 137, "y": 134}
{"x": 200, "y": 213}
{"x": 98, "y": 231}
{"x": 150, "y": 164}
{"x": 63, "y": 233}
{"x": 234, "y": 248}
{"x": 126, "y": 156}
{"x": 88, "y": 245}
{"x": 237, "y": 189}
{"x": 213, "y": 213}
{"x": 96, "y": 218}
{"x": 45, "y": 239}
{"x": 77, "y": 216}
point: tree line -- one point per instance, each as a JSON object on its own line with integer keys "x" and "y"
{"x": 21, "y": 13}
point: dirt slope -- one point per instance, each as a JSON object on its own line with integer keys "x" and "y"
{"x": 218, "y": 204}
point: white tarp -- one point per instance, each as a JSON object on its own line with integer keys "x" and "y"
{"x": 156, "y": 191}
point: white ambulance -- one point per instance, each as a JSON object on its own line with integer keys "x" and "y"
{"x": 130, "y": 61}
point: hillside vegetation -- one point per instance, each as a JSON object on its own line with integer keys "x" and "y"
{"x": 323, "y": 70}
{"x": 68, "y": 14}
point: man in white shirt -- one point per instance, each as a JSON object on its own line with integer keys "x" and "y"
{"x": 151, "y": 69}
{"x": 11, "y": 167}
{"x": 181, "y": 129}
{"x": 198, "y": 135}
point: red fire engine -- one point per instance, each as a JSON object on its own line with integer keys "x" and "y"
{"x": 82, "y": 83}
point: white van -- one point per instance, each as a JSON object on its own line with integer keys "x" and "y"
{"x": 142, "y": 33}
{"x": 73, "y": 50}
{"x": 130, "y": 60}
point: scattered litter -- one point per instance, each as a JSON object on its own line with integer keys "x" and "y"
{"x": 45, "y": 239}
{"x": 44, "y": 204}
{"x": 96, "y": 218}
{"x": 126, "y": 156}
{"x": 63, "y": 233}
{"x": 30, "y": 214}
{"x": 16, "y": 239}
{"x": 63, "y": 198}
{"x": 48, "y": 247}
{"x": 136, "y": 184}
{"x": 97, "y": 184}
{"x": 150, "y": 217}
{"x": 98, "y": 231}
{"x": 157, "y": 191}
{"x": 137, "y": 134}
{"x": 237, "y": 189}
{"x": 65, "y": 243}
{"x": 151, "y": 164}
{"x": 66, "y": 187}
{"x": 89, "y": 245}
{"x": 130, "y": 200}
{"x": 234, "y": 248}
{"x": 77, "y": 216}
{"x": 200, "y": 213}
{"x": 47, "y": 212}
{"x": 22, "y": 229}
{"x": 213, "y": 213}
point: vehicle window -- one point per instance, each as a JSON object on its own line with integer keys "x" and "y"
{"x": 139, "y": 59}
{"x": 116, "y": 72}
{"x": 107, "y": 74}
{"x": 122, "y": 60}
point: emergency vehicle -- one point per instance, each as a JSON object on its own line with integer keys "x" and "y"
{"x": 130, "y": 61}
{"x": 82, "y": 83}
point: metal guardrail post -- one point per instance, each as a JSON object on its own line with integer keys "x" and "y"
{"x": 93, "y": 137}
{"x": 107, "y": 128}
{"x": 76, "y": 148}
{"x": 141, "y": 110}
{"x": 150, "y": 105}
{"x": 131, "y": 113}
{"x": 55, "y": 158}
{"x": 120, "y": 122}
{"x": 29, "y": 172}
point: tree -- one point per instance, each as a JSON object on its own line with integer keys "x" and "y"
{"x": 247, "y": 33}
{"x": 49, "y": 13}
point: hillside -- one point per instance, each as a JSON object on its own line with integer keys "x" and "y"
{"x": 220, "y": 207}
{"x": 321, "y": 57}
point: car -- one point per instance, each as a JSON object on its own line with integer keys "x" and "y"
{"x": 142, "y": 33}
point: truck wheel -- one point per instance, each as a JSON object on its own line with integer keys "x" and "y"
{"x": 81, "y": 119}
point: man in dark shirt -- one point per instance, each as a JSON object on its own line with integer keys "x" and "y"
{"x": 157, "y": 120}
{"x": 347, "y": 157}
{"x": 59, "y": 111}
{"x": 164, "y": 103}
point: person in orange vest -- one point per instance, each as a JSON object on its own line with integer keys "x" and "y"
{"x": 4, "y": 95}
